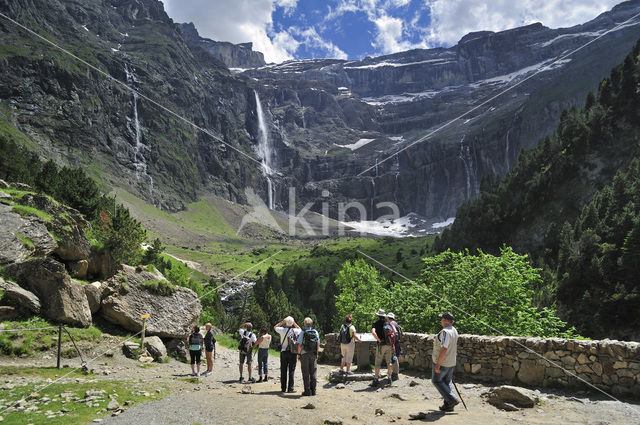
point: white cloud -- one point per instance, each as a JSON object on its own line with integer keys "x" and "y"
{"x": 238, "y": 21}
{"x": 452, "y": 19}
{"x": 389, "y": 38}
{"x": 311, "y": 38}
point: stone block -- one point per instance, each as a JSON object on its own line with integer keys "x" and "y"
{"x": 531, "y": 373}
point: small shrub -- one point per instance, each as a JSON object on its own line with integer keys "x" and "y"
{"x": 160, "y": 287}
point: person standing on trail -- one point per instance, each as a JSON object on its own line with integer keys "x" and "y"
{"x": 444, "y": 361}
{"x": 195, "y": 349}
{"x": 263, "y": 343}
{"x": 347, "y": 338}
{"x": 289, "y": 331}
{"x": 245, "y": 347}
{"x": 209, "y": 346}
{"x": 391, "y": 318}
{"x": 308, "y": 348}
{"x": 383, "y": 333}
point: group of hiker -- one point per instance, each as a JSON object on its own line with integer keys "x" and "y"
{"x": 303, "y": 344}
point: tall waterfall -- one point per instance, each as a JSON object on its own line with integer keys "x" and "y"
{"x": 265, "y": 149}
{"x": 373, "y": 197}
{"x": 506, "y": 153}
{"x": 139, "y": 148}
{"x": 469, "y": 168}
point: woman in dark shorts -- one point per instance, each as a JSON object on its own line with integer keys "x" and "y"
{"x": 195, "y": 349}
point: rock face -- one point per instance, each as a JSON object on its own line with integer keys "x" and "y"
{"x": 505, "y": 396}
{"x": 94, "y": 291}
{"x": 22, "y": 237}
{"x": 156, "y": 348}
{"x": 20, "y": 297}
{"x": 171, "y": 316}
{"x": 232, "y": 55}
{"x": 66, "y": 301}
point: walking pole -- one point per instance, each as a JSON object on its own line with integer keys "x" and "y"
{"x": 459, "y": 395}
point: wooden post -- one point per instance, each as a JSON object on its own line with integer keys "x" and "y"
{"x": 144, "y": 318}
{"x": 59, "y": 343}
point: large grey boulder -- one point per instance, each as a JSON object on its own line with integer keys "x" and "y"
{"x": 177, "y": 347}
{"x": 21, "y": 238}
{"x": 126, "y": 299}
{"x": 507, "y": 396}
{"x": 94, "y": 291}
{"x": 8, "y": 312}
{"x": 101, "y": 264}
{"x": 65, "y": 299}
{"x": 20, "y": 297}
{"x": 156, "y": 348}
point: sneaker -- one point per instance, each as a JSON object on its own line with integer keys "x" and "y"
{"x": 252, "y": 379}
{"x": 198, "y": 374}
{"x": 266, "y": 378}
{"x": 291, "y": 390}
{"x": 259, "y": 380}
{"x": 374, "y": 383}
{"x": 341, "y": 372}
{"x": 207, "y": 373}
{"x": 305, "y": 394}
{"x": 313, "y": 392}
{"x": 193, "y": 374}
{"x": 349, "y": 373}
{"x": 394, "y": 377}
{"x": 241, "y": 379}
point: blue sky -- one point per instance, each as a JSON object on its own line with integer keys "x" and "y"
{"x": 353, "y": 29}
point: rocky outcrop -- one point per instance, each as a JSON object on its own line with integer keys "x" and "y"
{"x": 232, "y": 55}
{"x": 20, "y": 297}
{"x": 127, "y": 299}
{"x": 101, "y": 264}
{"x": 47, "y": 278}
{"x": 94, "y": 291}
{"x": 155, "y": 348}
{"x": 21, "y": 237}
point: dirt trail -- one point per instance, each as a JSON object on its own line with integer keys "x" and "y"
{"x": 218, "y": 399}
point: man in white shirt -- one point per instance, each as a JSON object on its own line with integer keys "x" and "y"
{"x": 246, "y": 350}
{"x": 289, "y": 331}
{"x": 444, "y": 361}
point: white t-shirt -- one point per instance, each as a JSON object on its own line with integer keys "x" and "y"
{"x": 266, "y": 341}
{"x": 283, "y": 339}
{"x": 253, "y": 336}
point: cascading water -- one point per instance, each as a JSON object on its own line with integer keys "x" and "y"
{"x": 265, "y": 149}
{"x": 373, "y": 196}
{"x": 506, "y": 152}
{"x": 139, "y": 160}
{"x": 469, "y": 168}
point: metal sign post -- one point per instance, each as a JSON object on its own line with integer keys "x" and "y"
{"x": 144, "y": 318}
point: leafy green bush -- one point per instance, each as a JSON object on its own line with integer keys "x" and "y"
{"x": 489, "y": 295}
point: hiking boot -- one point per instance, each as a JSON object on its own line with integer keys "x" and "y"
{"x": 291, "y": 390}
{"x": 266, "y": 378}
{"x": 394, "y": 377}
{"x": 375, "y": 382}
{"x": 252, "y": 379}
{"x": 313, "y": 392}
{"x": 259, "y": 380}
{"x": 241, "y": 378}
{"x": 305, "y": 394}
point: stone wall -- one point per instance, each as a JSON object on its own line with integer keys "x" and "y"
{"x": 548, "y": 362}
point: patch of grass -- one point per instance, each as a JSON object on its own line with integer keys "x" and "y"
{"x": 160, "y": 287}
{"x": 78, "y": 412}
{"x": 26, "y": 242}
{"x": 191, "y": 380}
{"x": 29, "y": 343}
{"x": 26, "y": 211}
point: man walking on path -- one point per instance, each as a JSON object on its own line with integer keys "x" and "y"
{"x": 308, "y": 347}
{"x": 209, "y": 346}
{"x": 444, "y": 361}
{"x": 383, "y": 349}
{"x": 289, "y": 331}
{"x": 247, "y": 339}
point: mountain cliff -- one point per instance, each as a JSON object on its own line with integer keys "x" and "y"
{"x": 232, "y": 55}
{"x": 320, "y": 125}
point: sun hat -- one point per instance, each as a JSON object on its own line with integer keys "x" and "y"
{"x": 391, "y": 315}
{"x": 381, "y": 313}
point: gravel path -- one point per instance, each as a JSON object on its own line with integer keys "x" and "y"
{"x": 218, "y": 399}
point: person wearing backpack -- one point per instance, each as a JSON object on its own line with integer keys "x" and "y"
{"x": 347, "y": 338}
{"x": 391, "y": 318}
{"x": 245, "y": 346}
{"x": 289, "y": 331}
{"x": 209, "y": 345}
{"x": 308, "y": 347}
{"x": 384, "y": 333}
{"x": 263, "y": 343}
{"x": 195, "y": 349}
